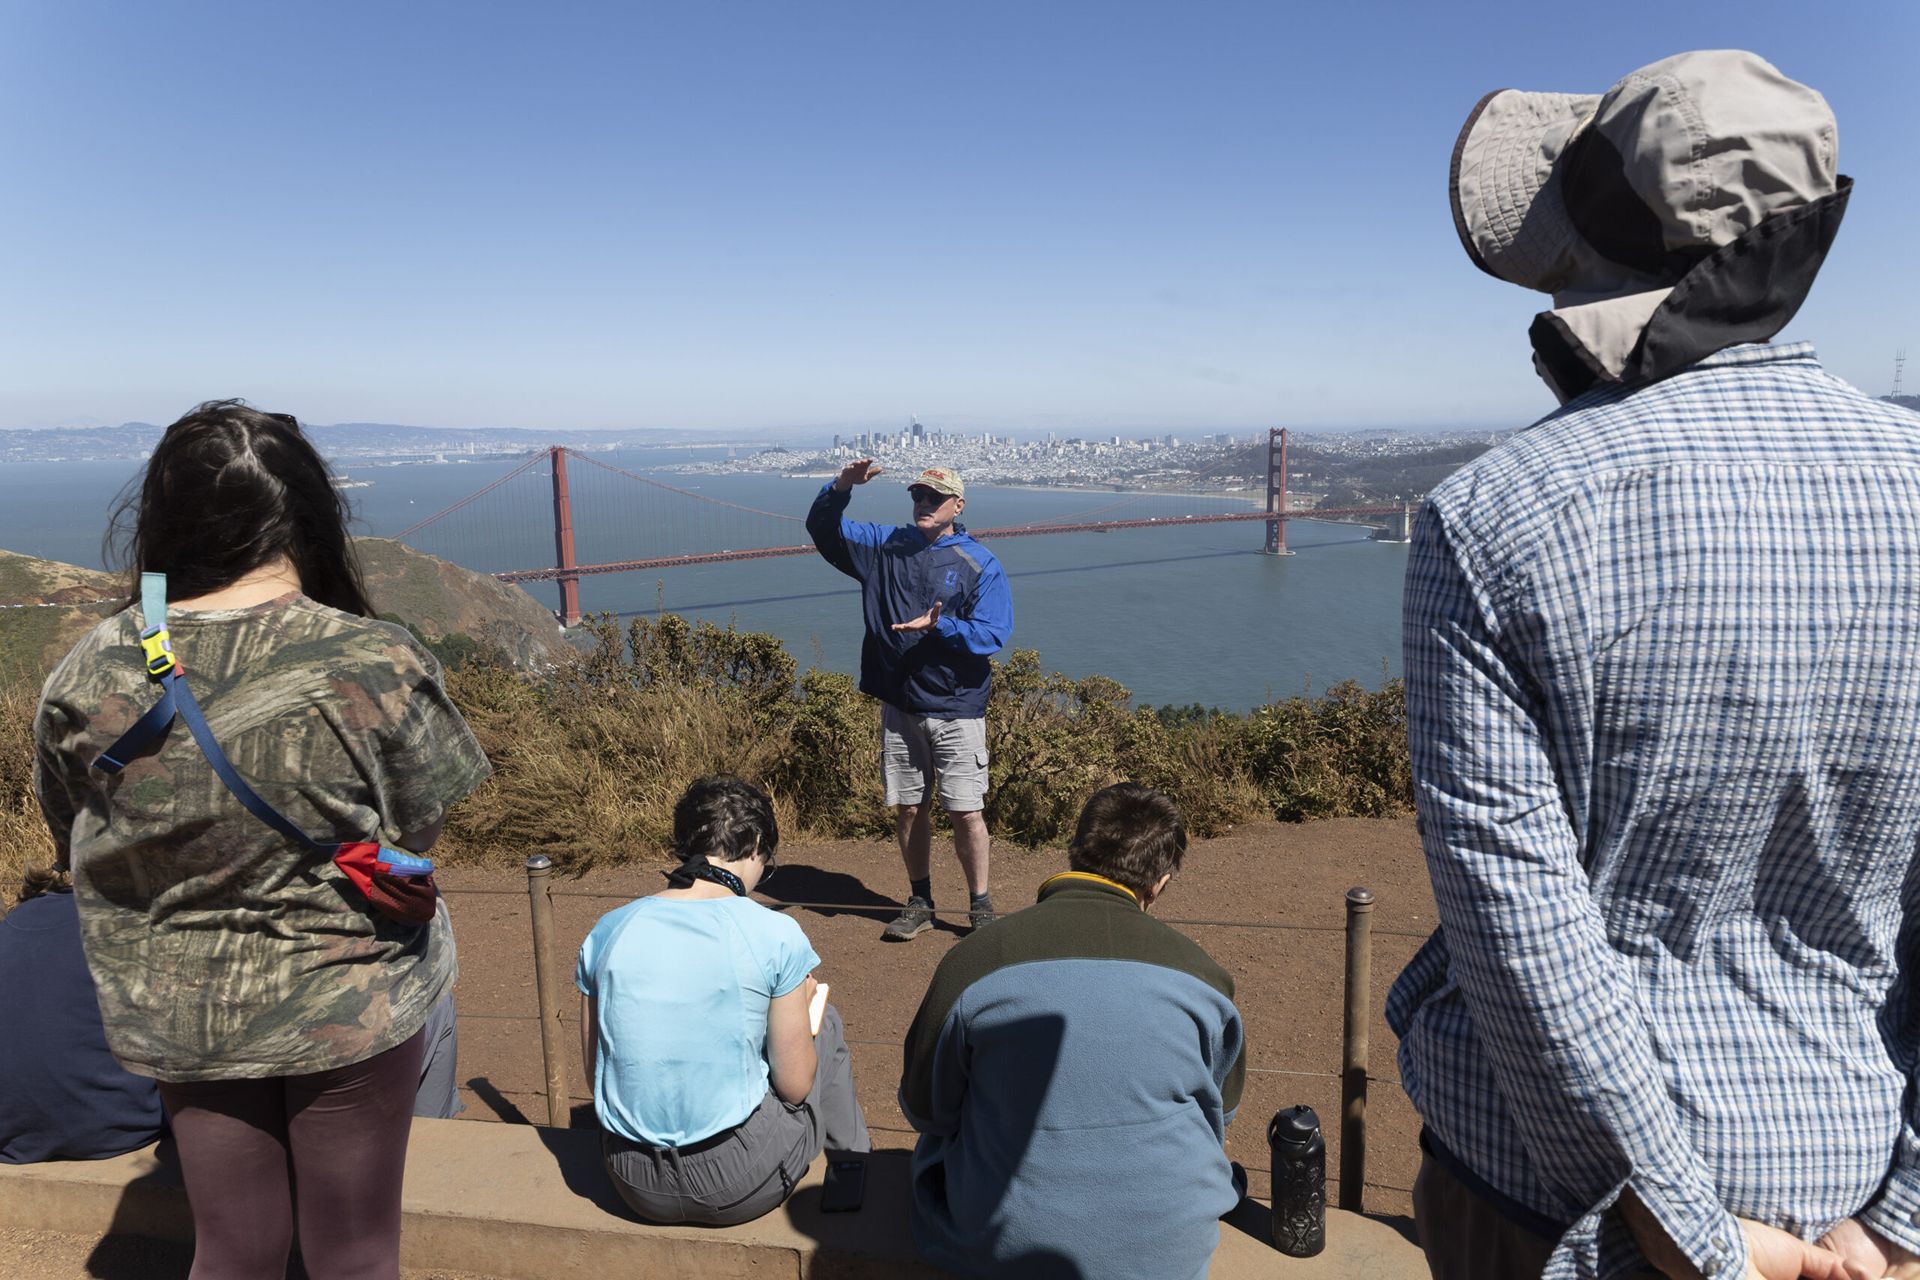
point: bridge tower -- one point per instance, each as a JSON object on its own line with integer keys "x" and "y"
{"x": 1399, "y": 526}
{"x": 1277, "y": 492}
{"x": 563, "y": 538}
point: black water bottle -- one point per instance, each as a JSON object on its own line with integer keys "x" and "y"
{"x": 1299, "y": 1182}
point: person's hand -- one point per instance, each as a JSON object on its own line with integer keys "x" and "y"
{"x": 855, "y": 473}
{"x": 922, "y": 623}
{"x": 1869, "y": 1251}
{"x": 1773, "y": 1254}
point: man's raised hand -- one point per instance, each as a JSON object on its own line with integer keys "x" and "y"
{"x": 922, "y": 623}
{"x": 855, "y": 473}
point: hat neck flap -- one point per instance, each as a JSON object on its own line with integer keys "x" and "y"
{"x": 1744, "y": 291}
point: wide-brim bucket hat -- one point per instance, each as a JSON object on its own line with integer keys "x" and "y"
{"x": 1626, "y": 189}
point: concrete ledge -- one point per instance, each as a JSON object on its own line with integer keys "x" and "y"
{"x": 525, "y": 1203}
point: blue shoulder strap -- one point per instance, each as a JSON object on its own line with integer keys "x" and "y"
{"x": 245, "y": 794}
{"x": 177, "y": 697}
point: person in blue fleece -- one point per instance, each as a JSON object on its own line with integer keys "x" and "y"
{"x": 1072, "y": 1072}
{"x": 62, "y": 1095}
{"x": 937, "y": 607}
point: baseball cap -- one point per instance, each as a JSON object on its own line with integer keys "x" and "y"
{"x": 940, "y": 480}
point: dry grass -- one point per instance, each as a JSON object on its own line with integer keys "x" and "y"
{"x": 23, "y": 833}
{"x": 589, "y": 774}
{"x": 589, "y": 762}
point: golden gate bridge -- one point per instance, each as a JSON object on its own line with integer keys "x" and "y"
{"x": 696, "y": 522}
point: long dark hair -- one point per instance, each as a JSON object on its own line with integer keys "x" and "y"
{"x": 228, "y": 489}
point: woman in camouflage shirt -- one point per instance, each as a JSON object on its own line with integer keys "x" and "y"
{"x": 244, "y": 972}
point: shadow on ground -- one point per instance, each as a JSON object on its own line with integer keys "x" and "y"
{"x": 503, "y": 1107}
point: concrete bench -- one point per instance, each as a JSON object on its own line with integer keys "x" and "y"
{"x": 521, "y": 1202}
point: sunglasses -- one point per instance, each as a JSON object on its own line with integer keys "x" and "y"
{"x": 933, "y": 496}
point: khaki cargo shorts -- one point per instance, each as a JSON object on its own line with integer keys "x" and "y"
{"x": 918, "y": 751}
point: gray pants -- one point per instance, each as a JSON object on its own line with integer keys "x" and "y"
{"x": 748, "y": 1170}
{"x": 439, "y": 1095}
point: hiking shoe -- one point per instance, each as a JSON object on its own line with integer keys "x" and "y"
{"x": 914, "y": 919}
{"x": 982, "y": 914}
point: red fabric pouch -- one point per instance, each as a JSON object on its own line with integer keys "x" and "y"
{"x": 399, "y": 885}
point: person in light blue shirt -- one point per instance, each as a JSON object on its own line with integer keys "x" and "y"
{"x": 713, "y": 1093}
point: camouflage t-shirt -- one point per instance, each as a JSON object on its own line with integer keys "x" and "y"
{"x": 221, "y": 949}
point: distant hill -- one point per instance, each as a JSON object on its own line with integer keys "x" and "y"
{"x": 342, "y": 439}
{"x": 1905, "y": 402}
{"x": 45, "y": 606}
{"x": 1341, "y": 479}
{"x": 441, "y": 599}
{"x": 25, "y": 580}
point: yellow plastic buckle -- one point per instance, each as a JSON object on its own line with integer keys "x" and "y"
{"x": 159, "y": 650}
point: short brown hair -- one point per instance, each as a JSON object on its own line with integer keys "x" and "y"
{"x": 1131, "y": 834}
{"x": 44, "y": 880}
{"x": 724, "y": 818}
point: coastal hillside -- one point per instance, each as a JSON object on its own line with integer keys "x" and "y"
{"x": 441, "y": 600}
{"x": 25, "y": 580}
{"x": 45, "y": 606}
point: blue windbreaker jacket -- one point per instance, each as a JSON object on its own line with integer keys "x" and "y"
{"x": 943, "y": 672}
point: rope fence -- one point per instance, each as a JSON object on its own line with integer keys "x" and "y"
{"x": 879, "y": 908}
{"x": 1353, "y": 1075}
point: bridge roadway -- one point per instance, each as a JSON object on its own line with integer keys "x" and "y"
{"x": 1009, "y": 531}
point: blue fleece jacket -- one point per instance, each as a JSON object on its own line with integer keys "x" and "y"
{"x": 62, "y": 1095}
{"x": 943, "y": 672}
{"x": 1072, "y": 1071}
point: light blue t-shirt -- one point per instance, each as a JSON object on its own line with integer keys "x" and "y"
{"x": 680, "y": 987}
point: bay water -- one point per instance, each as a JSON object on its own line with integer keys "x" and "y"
{"x": 1192, "y": 614}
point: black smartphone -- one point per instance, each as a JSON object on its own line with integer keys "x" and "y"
{"x": 845, "y": 1188}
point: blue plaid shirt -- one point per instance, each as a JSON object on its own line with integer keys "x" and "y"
{"x": 1663, "y": 687}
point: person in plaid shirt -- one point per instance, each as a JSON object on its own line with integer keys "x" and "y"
{"x": 1663, "y": 689}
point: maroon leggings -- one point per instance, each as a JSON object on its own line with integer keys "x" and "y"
{"x": 331, "y": 1145}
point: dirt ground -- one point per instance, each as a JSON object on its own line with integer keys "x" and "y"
{"x": 1287, "y": 979}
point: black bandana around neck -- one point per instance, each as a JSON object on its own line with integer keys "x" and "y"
{"x": 698, "y": 868}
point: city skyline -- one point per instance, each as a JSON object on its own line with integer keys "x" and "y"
{"x": 1093, "y": 218}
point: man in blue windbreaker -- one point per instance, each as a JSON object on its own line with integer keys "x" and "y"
{"x": 937, "y": 606}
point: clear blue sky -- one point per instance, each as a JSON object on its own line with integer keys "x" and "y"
{"x": 744, "y": 216}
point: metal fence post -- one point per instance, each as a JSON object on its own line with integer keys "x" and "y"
{"x": 1353, "y": 1066}
{"x": 539, "y": 872}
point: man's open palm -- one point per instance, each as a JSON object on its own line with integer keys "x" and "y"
{"x": 922, "y": 623}
{"x": 856, "y": 473}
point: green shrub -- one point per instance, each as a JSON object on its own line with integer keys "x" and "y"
{"x": 1338, "y": 755}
